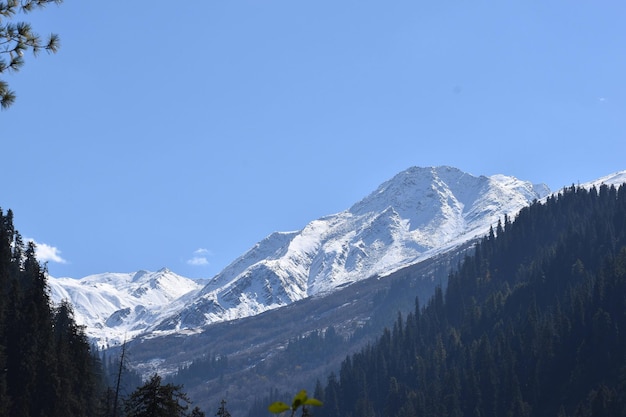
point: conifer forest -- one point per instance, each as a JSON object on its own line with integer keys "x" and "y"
{"x": 532, "y": 324}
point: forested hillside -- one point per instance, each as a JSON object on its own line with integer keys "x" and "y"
{"x": 46, "y": 366}
{"x": 533, "y": 324}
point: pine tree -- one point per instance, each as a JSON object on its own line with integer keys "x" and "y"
{"x": 18, "y": 38}
{"x": 153, "y": 399}
{"x": 222, "y": 411}
{"x": 47, "y": 365}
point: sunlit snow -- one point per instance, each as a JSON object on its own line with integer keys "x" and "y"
{"x": 419, "y": 213}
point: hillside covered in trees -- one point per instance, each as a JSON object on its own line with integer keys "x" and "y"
{"x": 46, "y": 364}
{"x": 532, "y": 324}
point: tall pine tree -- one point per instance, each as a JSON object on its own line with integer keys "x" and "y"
{"x": 47, "y": 365}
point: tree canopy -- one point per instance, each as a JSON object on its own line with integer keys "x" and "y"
{"x": 17, "y": 38}
{"x": 153, "y": 399}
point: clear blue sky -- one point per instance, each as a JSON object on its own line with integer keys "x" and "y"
{"x": 164, "y": 132}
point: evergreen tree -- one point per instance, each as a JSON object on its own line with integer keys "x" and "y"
{"x": 222, "y": 411}
{"x": 17, "y": 38}
{"x": 47, "y": 363}
{"x": 153, "y": 399}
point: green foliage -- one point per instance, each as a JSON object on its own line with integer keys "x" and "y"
{"x": 17, "y": 38}
{"x": 299, "y": 400}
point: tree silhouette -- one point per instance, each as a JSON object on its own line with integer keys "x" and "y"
{"x": 153, "y": 399}
{"x": 17, "y": 38}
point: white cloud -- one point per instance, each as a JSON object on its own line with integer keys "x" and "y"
{"x": 198, "y": 261}
{"x": 47, "y": 253}
{"x": 199, "y": 257}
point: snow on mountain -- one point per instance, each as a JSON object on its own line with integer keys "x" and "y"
{"x": 419, "y": 213}
{"x": 115, "y": 306}
{"x": 616, "y": 179}
{"x": 416, "y": 214}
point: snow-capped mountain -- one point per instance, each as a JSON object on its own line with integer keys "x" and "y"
{"x": 115, "y": 306}
{"x": 418, "y": 213}
{"x": 615, "y": 179}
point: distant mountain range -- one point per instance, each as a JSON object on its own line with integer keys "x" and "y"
{"x": 115, "y": 306}
{"x": 418, "y": 214}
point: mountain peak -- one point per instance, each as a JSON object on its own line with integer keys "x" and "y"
{"x": 415, "y": 187}
{"x": 139, "y": 275}
{"x": 411, "y": 216}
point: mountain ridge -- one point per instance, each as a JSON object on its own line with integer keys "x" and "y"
{"x": 418, "y": 213}
{"x": 114, "y": 306}
{"x": 411, "y": 216}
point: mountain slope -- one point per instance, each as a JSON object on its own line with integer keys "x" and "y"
{"x": 417, "y": 214}
{"x": 532, "y": 324}
{"x": 253, "y": 344}
{"x": 256, "y": 347}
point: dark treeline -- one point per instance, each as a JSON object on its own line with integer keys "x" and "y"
{"x": 46, "y": 364}
{"x": 315, "y": 344}
{"x": 201, "y": 369}
{"x": 120, "y": 380}
{"x": 259, "y": 405}
{"x": 532, "y": 324}
{"x": 300, "y": 353}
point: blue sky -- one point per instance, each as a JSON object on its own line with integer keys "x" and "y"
{"x": 178, "y": 134}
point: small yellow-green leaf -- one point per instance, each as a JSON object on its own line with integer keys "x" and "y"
{"x": 278, "y": 407}
{"x": 314, "y": 402}
{"x": 299, "y": 399}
